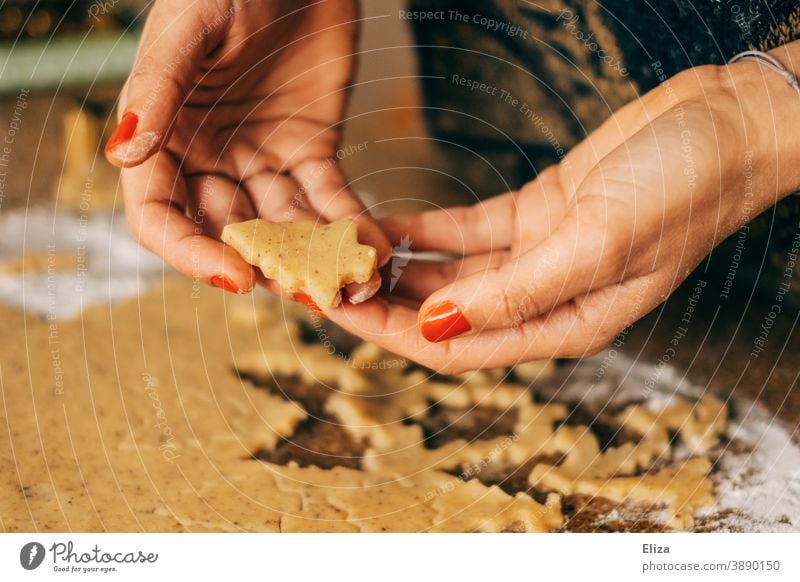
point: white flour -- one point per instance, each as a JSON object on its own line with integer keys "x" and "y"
{"x": 762, "y": 487}
{"x": 111, "y": 266}
{"x": 758, "y": 477}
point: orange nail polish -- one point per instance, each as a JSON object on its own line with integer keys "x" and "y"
{"x": 308, "y": 302}
{"x": 223, "y": 282}
{"x": 124, "y": 131}
{"x": 442, "y": 322}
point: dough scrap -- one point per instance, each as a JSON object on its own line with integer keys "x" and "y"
{"x": 396, "y": 447}
{"x": 683, "y": 487}
{"x": 305, "y": 256}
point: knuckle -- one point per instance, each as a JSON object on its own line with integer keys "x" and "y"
{"x": 510, "y": 312}
{"x": 515, "y": 310}
{"x": 514, "y": 302}
{"x": 509, "y": 306}
{"x": 588, "y": 337}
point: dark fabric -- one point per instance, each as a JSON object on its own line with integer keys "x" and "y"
{"x": 569, "y": 64}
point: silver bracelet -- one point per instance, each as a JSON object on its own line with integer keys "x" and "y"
{"x": 771, "y": 63}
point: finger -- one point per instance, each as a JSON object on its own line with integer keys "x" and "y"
{"x": 576, "y": 329}
{"x": 357, "y": 293}
{"x": 418, "y": 279}
{"x": 393, "y": 326}
{"x": 279, "y": 198}
{"x": 271, "y": 285}
{"x": 584, "y": 253}
{"x": 215, "y": 201}
{"x": 325, "y": 187}
{"x": 155, "y": 202}
{"x": 520, "y": 219}
{"x": 463, "y": 230}
{"x": 581, "y": 327}
{"x": 167, "y": 62}
{"x": 275, "y": 197}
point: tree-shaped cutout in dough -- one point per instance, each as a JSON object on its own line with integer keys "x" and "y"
{"x": 305, "y": 256}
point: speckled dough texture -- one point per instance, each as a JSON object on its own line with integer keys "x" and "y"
{"x": 305, "y": 256}
{"x": 145, "y": 416}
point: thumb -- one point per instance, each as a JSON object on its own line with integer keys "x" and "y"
{"x": 174, "y": 43}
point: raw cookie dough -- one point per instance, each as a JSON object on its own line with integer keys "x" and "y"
{"x": 388, "y": 399}
{"x": 133, "y": 418}
{"x": 306, "y": 256}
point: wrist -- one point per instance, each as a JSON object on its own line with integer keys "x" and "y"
{"x": 769, "y": 112}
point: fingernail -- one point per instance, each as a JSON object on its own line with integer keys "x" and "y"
{"x": 308, "y": 302}
{"x": 442, "y": 322}
{"x": 223, "y": 282}
{"x": 124, "y": 131}
{"x": 359, "y": 296}
{"x": 127, "y": 147}
{"x": 363, "y": 291}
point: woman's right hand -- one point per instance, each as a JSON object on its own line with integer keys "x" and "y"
{"x": 233, "y": 112}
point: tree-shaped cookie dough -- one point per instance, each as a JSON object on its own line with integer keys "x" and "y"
{"x": 306, "y": 256}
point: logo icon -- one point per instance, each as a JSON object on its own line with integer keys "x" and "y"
{"x": 401, "y": 254}
{"x": 31, "y": 555}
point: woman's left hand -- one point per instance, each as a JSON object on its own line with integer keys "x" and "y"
{"x": 559, "y": 267}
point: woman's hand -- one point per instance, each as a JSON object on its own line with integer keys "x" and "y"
{"x": 561, "y": 266}
{"x": 232, "y": 112}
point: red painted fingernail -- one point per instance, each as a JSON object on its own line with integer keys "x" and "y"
{"x": 224, "y": 282}
{"x": 124, "y": 131}
{"x": 308, "y": 302}
{"x": 442, "y": 322}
